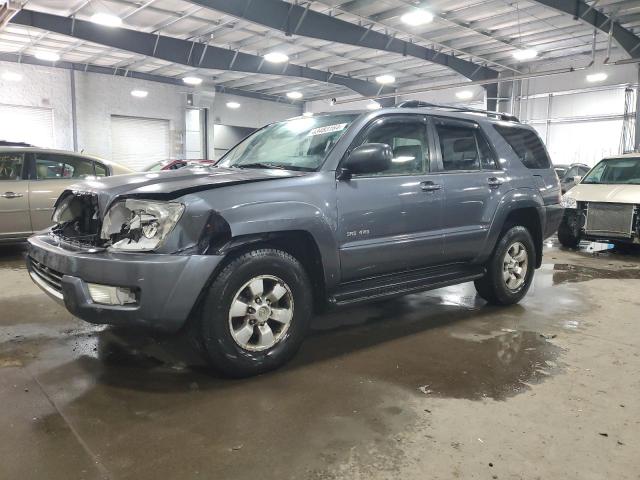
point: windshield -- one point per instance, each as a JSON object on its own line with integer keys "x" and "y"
{"x": 301, "y": 143}
{"x": 615, "y": 171}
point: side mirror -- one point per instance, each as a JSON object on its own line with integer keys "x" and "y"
{"x": 577, "y": 178}
{"x": 367, "y": 158}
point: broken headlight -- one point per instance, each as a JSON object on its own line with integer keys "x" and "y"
{"x": 568, "y": 202}
{"x": 139, "y": 225}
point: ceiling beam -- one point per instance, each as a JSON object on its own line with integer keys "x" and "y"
{"x": 294, "y": 19}
{"x": 193, "y": 54}
{"x": 120, "y": 72}
{"x": 582, "y": 11}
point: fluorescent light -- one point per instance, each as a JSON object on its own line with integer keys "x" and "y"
{"x": 139, "y": 93}
{"x": 106, "y": 19}
{"x": 373, "y": 105}
{"x": 233, "y": 105}
{"x": 597, "y": 77}
{"x": 47, "y": 56}
{"x": 276, "y": 57}
{"x": 525, "y": 54}
{"x": 464, "y": 94}
{"x": 11, "y": 77}
{"x": 385, "y": 79}
{"x": 294, "y": 95}
{"x": 308, "y": 114}
{"x": 417, "y": 17}
{"x": 192, "y": 80}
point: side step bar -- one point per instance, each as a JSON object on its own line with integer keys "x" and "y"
{"x": 394, "y": 285}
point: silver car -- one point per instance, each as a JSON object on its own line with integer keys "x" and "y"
{"x": 32, "y": 179}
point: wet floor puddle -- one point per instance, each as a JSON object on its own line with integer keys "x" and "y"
{"x": 570, "y": 273}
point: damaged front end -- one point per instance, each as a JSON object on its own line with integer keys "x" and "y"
{"x": 77, "y": 218}
{"x": 130, "y": 224}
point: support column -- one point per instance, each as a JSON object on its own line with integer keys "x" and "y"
{"x": 74, "y": 113}
{"x": 637, "y": 140}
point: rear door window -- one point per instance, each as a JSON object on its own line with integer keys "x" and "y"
{"x": 464, "y": 147}
{"x": 55, "y": 166}
{"x": 526, "y": 145}
{"x": 101, "y": 170}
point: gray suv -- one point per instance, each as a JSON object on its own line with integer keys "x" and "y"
{"x": 332, "y": 209}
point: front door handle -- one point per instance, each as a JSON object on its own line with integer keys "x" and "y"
{"x": 429, "y": 186}
{"x": 494, "y": 182}
{"x": 11, "y": 195}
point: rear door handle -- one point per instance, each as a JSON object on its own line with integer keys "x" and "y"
{"x": 429, "y": 186}
{"x": 494, "y": 182}
{"x": 11, "y": 195}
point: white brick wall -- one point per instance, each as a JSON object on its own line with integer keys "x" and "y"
{"x": 99, "y": 96}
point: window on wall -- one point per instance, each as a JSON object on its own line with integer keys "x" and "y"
{"x": 195, "y": 131}
{"x": 32, "y": 125}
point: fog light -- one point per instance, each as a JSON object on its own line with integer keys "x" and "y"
{"x": 108, "y": 295}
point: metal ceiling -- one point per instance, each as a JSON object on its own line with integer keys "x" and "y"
{"x": 482, "y": 33}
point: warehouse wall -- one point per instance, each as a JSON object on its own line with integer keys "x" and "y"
{"x": 45, "y": 88}
{"x": 100, "y": 96}
{"x": 579, "y": 121}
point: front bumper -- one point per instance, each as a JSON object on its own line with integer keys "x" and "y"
{"x": 168, "y": 286}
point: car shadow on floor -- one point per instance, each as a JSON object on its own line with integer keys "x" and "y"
{"x": 140, "y": 361}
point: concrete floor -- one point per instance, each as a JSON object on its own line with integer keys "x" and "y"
{"x": 435, "y": 385}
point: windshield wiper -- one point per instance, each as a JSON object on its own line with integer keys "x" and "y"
{"x": 260, "y": 165}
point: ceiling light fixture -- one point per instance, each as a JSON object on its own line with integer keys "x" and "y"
{"x": 385, "y": 79}
{"x": 192, "y": 81}
{"x": 464, "y": 94}
{"x": 294, "y": 95}
{"x": 139, "y": 93}
{"x": 106, "y": 20}
{"x": 597, "y": 77}
{"x": 47, "y": 56}
{"x": 276, "y": 57}
{"x": 11, "y": 77}
{"x": 373, "y": 105}
{"x": 233, "y": 105}
{"x": 525, "y": 54}
{"x": 417, "y": 17}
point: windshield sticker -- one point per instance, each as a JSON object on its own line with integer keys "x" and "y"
{"x": 328, "y": 129}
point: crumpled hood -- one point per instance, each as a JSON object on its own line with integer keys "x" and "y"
{"x": 174, "y": 183}
{"x": 586, "y": 192}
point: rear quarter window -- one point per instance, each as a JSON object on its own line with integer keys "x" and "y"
{"x": 527, "y": 146}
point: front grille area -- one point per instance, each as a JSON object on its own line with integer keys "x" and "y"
{"x": 50, "y": 277}
{"x": 614, "y": 219}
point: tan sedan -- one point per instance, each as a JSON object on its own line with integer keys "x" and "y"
{"x": 31, "y": 180}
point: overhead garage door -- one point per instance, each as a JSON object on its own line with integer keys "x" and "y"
{"x": 137, "y": 142}
{"x": 33, "y": 125}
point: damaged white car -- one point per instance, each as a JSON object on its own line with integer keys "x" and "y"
{"x": 605, "y": 205}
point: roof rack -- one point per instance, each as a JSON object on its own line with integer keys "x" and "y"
{"x": 420, "y": 104}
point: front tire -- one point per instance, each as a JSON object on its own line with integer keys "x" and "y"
{"x": 256, "y": 313}
{"x": 567, "y": 235}
{"x": 510, "y": 269}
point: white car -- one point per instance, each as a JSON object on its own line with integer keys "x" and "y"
{"x": 605, "y": 205}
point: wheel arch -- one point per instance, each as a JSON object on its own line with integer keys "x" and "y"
{"x": 523, "y": 207}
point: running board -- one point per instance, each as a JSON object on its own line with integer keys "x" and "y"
{"x": 394, "y": 285}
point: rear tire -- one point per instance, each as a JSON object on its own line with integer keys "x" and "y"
{"x": 256, "y": 313}
{"x": 510, "y": 269}
{"x": 567, "y": 235}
